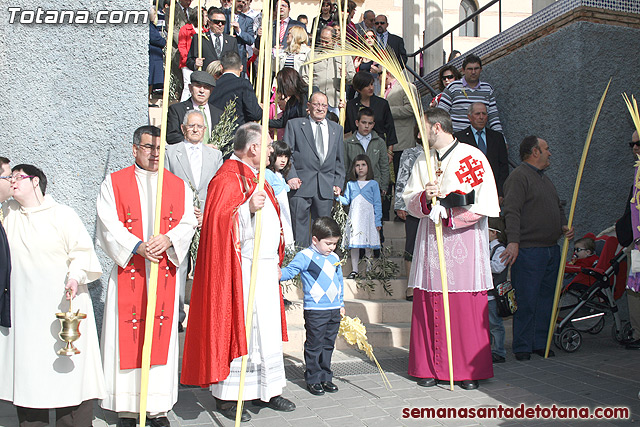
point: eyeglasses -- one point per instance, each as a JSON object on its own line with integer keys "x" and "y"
{"x": 636, "y": 143}
{"x": 8, "y": 177}
{"x": 150, "y": 148}
{"x": 449, "y": 77}
{"x": 195, "y": 126}
{"x": 218, "y": 21}
{"x": 18, "y": 178}
{"x": 317, "y": 105}
{"x": 578, "y": 250}
{"x": 380, "y": 23}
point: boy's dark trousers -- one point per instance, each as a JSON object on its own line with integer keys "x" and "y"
{"x": 322, "y": 328}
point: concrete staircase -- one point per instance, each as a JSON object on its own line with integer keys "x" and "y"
{"x": 386, "y": 317}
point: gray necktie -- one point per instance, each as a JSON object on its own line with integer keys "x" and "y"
{"x": 217, "y": 46}
{"x": 481, "y": 144}
{"x": 320, "y": 142}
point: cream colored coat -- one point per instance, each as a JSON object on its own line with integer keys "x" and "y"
{"x": 49, "y": 244}
{"x": 326, "y": 76}
{"x": 403, "y": 117}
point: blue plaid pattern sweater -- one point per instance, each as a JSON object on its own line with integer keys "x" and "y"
{"x": 321, "y": 278}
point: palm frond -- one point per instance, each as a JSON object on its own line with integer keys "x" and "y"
{"x": 355, "y": 333}
{"x": 632, "y": 105}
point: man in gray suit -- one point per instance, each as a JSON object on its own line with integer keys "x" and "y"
{"x": 317, "y": 169}
{"x": 196, "y": 164}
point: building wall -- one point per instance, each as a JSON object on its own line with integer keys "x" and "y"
{"x": 551, "y": 88}
{"x": 488, "y": 25}
{"x": 72, "y": 96}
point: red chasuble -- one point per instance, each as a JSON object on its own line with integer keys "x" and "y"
{"x": 132, "y": 280}
{"x": 216, "y": 333}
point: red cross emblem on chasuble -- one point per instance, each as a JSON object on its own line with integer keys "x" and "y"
{"x": 471, "y": 171}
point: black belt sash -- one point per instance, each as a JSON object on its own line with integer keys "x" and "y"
{"x": 454, "y": 200}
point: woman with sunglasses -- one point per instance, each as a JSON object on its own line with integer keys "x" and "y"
{"x": 447, "y": 74}
{"x": 364, "y": 64}
{"x": 53, "y": 260}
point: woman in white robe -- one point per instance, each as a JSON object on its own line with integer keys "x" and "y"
{"x": 52, "y": 254}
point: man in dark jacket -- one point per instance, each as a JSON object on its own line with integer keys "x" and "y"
{"x": 489, "y": 141}
{"x": 200, "y": 88}
{"x": 230, "y": 86}
{"x": 535, "y": 221}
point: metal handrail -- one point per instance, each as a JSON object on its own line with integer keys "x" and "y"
{"x": 421, "y": 80}
{"x": 458, "y": 25}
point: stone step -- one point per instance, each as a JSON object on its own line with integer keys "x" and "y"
{"x": 351, "y": 291}
{"x": 389, "y": 326}
{"x": 396, "y": 244}
{"x": 397, "y": 258}
{"x": 379, "y": 336}
{"x": 393, "y": 230}
{"x": 380, "y": 311}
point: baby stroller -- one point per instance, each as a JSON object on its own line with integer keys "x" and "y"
{"x": 592, "y": 294}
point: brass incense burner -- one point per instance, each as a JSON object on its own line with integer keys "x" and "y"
{"x": 70, "y": 332}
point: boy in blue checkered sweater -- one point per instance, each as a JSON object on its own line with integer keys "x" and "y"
{"x": 323, "y": 287}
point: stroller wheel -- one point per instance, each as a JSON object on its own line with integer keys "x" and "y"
{"x": 598, "y": 327}
{"x": 568, "y": 339}
{"x": 625, "y": 334}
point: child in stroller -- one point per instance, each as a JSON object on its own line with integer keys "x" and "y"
{"x": 592, "y": 293}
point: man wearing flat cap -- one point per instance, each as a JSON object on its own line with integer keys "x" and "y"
{"x": 200, "y": 89}
{"x": 196, "y": 164}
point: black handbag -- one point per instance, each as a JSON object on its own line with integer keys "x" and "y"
{"x": 506, "y": 299}
{"x": 503, "y": 291}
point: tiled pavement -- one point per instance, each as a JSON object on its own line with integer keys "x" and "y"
{"x": 600, "y": 373}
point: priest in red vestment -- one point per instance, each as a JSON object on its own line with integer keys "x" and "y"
{"x": 216, "y": 337}
{"x": 126, "y": 213}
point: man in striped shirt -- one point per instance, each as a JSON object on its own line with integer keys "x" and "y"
{"x": 460, "y": 94}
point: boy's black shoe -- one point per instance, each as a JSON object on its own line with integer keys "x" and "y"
{"x": 329, "y": 387}
{"x": 315, "y": 389}
{"x": 523, "y": 356}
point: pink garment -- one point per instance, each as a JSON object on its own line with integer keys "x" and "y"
{"x": 466, "y": 252}
{"x": 471, "y": 348}
{"x": 273, "y": 114}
